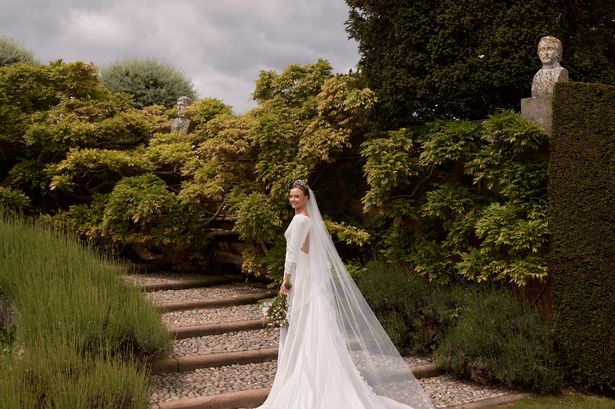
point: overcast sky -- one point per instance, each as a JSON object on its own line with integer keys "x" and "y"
{"x": 221, "y": 45}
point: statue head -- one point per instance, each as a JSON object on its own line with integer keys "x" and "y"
{"x": 182, "y": 103}
{"x": 550, "y": 50}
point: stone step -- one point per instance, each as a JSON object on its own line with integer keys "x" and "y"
{"x": 192, "y": 362}
{"x": 170, "y": 281}
{"x": 231, "y": 400}
{"x": 228, "y": 342}
{"x": 208, "y": 382}
{"x": 176, "y": 320}
{"x": 217, "y": 328}
{"x": 222, "y": 291}
{"x": 214, "y": 303}
{"x": 247, "y": 386}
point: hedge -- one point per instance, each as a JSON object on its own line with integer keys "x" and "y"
{"x": 582, "y": 222}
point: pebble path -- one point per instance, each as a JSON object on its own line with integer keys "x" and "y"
{"x": 212, "y": 315}
{"x": 444, "y": 390}
{"x": 159, "y": 278}
{"x": 205, "y": 293}
{"x": 229, "y": 342}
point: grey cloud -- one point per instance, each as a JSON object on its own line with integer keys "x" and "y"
{"x": 220, "y": 45}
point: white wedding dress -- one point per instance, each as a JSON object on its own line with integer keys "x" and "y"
{"x": 334, "y": 353}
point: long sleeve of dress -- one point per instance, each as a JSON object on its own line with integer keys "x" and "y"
{"x": 298, "y": 233}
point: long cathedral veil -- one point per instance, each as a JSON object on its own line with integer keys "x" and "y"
{"x": 373, "y": 354}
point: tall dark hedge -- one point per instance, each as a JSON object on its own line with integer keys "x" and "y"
{"x": 429, "y": 59}
{"x": 582, "y": 221}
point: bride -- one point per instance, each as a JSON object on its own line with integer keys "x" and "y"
{"x": 334, "y": 353}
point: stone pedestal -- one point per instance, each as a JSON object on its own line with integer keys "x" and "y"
{"x": 539, "y": 110}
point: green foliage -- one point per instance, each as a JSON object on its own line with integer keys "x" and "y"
{"x": 257, "y": 220}
{"x": 305, "y": 119}
{"x": 117, "y": 175}
{"x": 581, "y": 219}
{"x": 206, "y": 109}
{"x": 448, "y": 141}
{"x": 478, "y": 332}
{"x": 104, "y": 165}
{"x": 344, "y": 233}
{"x": 497, "y": 338}
{"x": 12, "y": 52}
{"x": 141, "y": 210}
{"x": 442, "y": 59}
{"x": 148, "y": 81}
{"x": 89, "y": 343}
{"x": 390, "y": 163}
{"x": 396, "y": 295}
{"x": 12, "y": 200}
{"x": 471, "y": 196}
{"x": 52, "y": 375}
{"x": 27, "y": 89}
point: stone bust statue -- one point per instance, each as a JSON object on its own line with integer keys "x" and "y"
{"x": 550, "y": 53}
{"x": 182, "y": 123}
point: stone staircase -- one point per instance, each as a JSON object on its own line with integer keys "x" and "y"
{"x": 224, "y": 355}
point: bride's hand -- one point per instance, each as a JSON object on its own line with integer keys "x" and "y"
{"x": 283, "y": 290}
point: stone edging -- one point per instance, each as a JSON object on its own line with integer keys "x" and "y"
{"x": 217, "y": 328}
{"x": 219, "y": 302}
{"x": 426, "y": 371}
{"x": 492, "y": 402}
{"x": 230, "y": 400}
{"x": 205, "y": 281}
{"x": 190, "y": 363}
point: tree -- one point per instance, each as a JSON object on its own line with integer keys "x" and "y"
{"x": 305, "y": 119}
{"x": 118, "y": 176}
{"x": 148, "y": 81}
{"x": 463, "y": 59}
{"x": 12, "y": 52}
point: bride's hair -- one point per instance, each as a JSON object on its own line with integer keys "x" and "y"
{"x": 302, "y": 184}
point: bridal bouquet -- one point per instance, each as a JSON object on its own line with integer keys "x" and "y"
{"x": 275, "y": 310}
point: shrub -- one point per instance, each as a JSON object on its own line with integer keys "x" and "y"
{"x": 462, "y": 199}
{"x": 54, "y": 375}
{"x": 581, "y": 201}
{"x": 12, "y": 200}
{"x": 82, "y": 336}
{"x": 150, "y": 82}
{"x": 478, "y": 332}
{"x": 397, "y": 295}
{"x": 12, "y": 52}
{"x": 498, "y": 338}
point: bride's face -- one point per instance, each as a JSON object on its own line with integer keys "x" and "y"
{"x": 297, "y": 199}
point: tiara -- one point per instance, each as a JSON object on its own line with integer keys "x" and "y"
{"x": 301, "y": 182}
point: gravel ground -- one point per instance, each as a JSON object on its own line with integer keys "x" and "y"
{"x": 443, "y": 391}
{"x": 160, "y": 278}
{"x": 206, "y": 293}
{"x": 446, "y": 391}
{"x": 245, "y": 341}
{"x": 211, "y": 381}
{"x": 229, "y": 342}
{"x": 417, "y": 360}
{"x": 199, "y": 316}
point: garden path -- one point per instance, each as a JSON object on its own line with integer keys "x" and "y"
{"x": 224, "y": 356}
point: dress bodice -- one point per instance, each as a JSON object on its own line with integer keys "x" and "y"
{"x": 296, "y": 235}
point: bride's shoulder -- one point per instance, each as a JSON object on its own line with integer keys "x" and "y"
{"x": 301, "y": 218}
